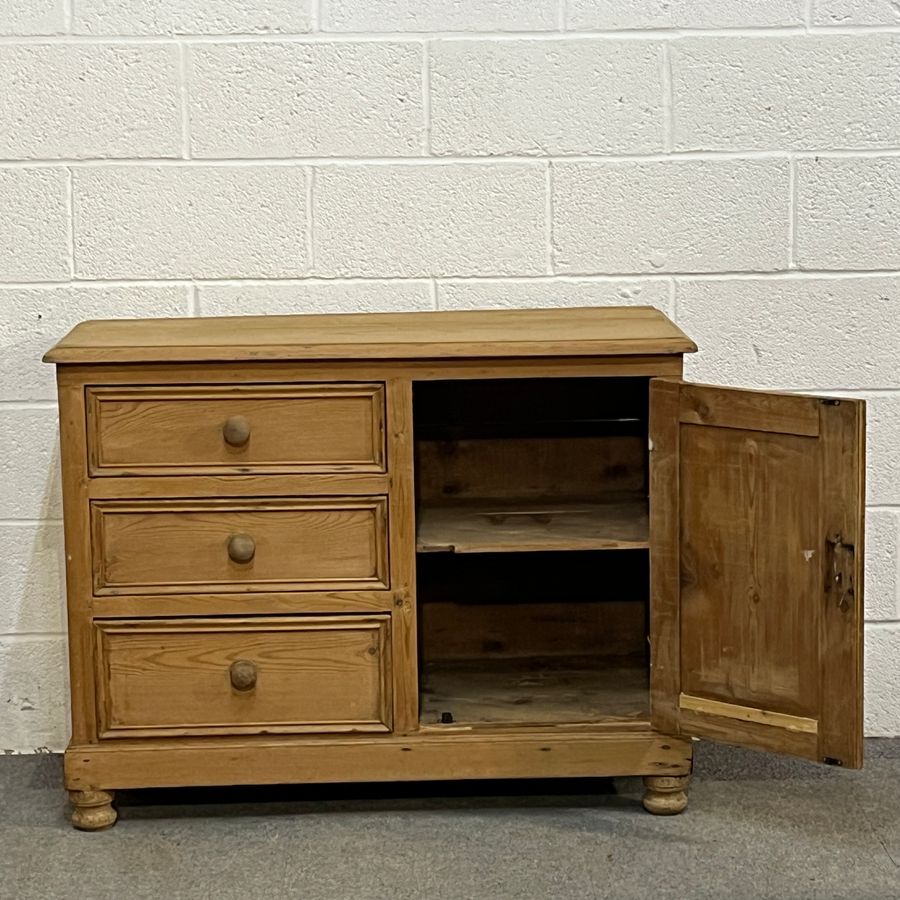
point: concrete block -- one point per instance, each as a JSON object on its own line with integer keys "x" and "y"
{"x": 315, "y": 99}
{"x": 670, "y": 216}
{"x": 410, "y": 221}
{"x": 545, "y": 97}
{"x": 190, "y": 221}
{"x": 34, "y": 230}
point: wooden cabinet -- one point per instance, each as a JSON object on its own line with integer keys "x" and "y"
{"x": 446, "y": 545}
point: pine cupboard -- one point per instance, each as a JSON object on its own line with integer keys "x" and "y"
{"x": 446, "y": 545}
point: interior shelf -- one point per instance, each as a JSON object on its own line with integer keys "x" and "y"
{"x": 514, "y": 628}
{"x": 484, "y": 526}
{"x": 535, "y": 690}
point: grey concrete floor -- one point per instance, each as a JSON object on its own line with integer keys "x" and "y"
{"x": 757, "y": 826}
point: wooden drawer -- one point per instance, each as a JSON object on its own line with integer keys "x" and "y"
{"x": 289, "y": 544}
{"x": 236, "y": 429}
{"x": 243, "y": 676}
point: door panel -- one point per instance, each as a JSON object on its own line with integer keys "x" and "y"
{"x": 756, "y": 509}
{"x": 735, "y": 647}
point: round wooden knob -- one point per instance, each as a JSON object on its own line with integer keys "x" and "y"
{"x": 241, "y": 548}
{"x": 236, "y": 431}
{"x": 243, "y": 675}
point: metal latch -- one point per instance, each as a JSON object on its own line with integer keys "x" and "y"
{"x": 841, "y": 582}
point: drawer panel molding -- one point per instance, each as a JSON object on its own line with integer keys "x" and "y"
{"x": 236, "y": 429}
{"x": 243, "y": 676}
{"x": 233, "y": 545}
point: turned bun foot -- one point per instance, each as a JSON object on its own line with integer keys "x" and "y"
{"x": 92, "y": 810}
{"x": 665, "y": 795}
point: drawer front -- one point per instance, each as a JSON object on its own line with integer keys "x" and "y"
{"x": 243, "y": 676}
{"x": 190, "y": 546}
{"x": 236, "y": 429}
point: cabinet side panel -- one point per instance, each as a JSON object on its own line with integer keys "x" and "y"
{"x": 665, "y": 648}
{"x": 73, "y": 454}
{"x": 402, "y": 527}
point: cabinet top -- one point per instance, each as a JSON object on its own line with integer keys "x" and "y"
{"x": 618, "y": 330}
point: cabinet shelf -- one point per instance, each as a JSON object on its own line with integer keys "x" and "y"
{"x": 502, "y": 526}
{"x": 535, "y": 691}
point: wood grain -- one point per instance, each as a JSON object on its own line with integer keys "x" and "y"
{"x": 752, "y": 735}
{"x": 179, "y": 486}
{"x": 131, "y": 374}
{"x": 747, "y": 714}
{"x": 535, "y": 691}
{"x": 484, "y": 627}
{"x": 541, "y": 753}
{"x": 665, "y": 795}
{"x": 291, "y": 428}
{"x": 665, "y": 556}
{"x": 480, "y": 333}
{"x": 92, "y": 810}
{"x": 746, "y": 505}
{"x": 532, "y": 468}
{"x": 404, "y": 611}
{"x": 258, "y": 602}
{"x": 749, "y": 410}
{"x": 79, "y": 579}
{"x": 148, "y": 547}
{"x": 841, "y": 629}
{"x": 755, "y": 508}
{"x": 526, "y": 526}
{"x": 174, "y": 676}
{"x": 501, "y": 606}
{"x": 749, "y": 594}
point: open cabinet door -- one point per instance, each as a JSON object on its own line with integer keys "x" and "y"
{"x": 756, "y": 528}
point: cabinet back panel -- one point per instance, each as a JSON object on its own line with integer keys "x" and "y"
{"x": 532, "y": 402}
{"x": 466, "y": 631}
{"x": 530, "y": 468}
{"x": 533, "y": 604}
{"x": 530, "y": 438}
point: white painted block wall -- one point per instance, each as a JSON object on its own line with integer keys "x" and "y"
{"x": 735, "y": 163}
